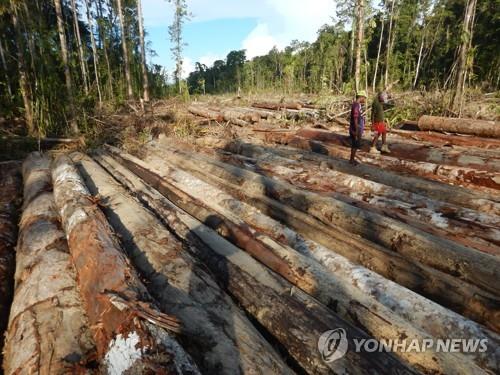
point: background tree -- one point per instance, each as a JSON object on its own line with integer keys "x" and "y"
{"x": 181, "y": 15}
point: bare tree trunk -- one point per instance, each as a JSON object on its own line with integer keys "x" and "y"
{"x": 389, "y": 46}
{"x": 374, "y": 84}
{"x": 94, "y": 51}
{"x": 145, "y": 84}
{"x": 419, "y": 60}
{"x": 359, "y": 41}
{"x": 351, "y": 47}
{"x": 5, "y": 68}
{"x": 65, "y": 60}
{"x": 23, "y": 74}
{"x": 81, "y": 56}
{"x": 467, "y": 28}
{"x": 125, "y": 50}
{"x": 104, "y": 42}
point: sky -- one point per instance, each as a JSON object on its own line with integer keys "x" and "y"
{"x": 220, "y": 26}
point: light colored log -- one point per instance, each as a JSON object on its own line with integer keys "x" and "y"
{"x": 481, "y": 128}
{"x": 217, "y": 334}
{"x": 48, "y": 330}
{"x": 276, "y": 106}
{"x": 130, "y": 332}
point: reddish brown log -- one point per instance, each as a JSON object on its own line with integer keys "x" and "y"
{"x": 481, "y": 128}
{"x": 130, "y": 332}
{"x": 276, "y": 106}
{"x": 10, "y": 197}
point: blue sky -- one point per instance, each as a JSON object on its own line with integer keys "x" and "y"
{"x": 220, "y": 26}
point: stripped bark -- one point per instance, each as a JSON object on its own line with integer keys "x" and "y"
{"x": 470, "y": 228}
{"x": 124, "y": 320}
{"x": 341, "y": 289}
{"x": 279, "y": 307}
{"x": 479, "y": 128}
{"x": 46, "y": 296}
{"x": 452, "y": 194}
{"x": 231, "y": 345}
{"x": 10, "y": 196}
{"x": 276, "y": 106}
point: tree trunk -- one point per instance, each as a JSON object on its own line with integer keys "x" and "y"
{"x": 479, "y": 128}
{"x": 81, "y": 56}
{"x": 420, "y": 278}
{"x": 264, "y": 295}
{"x": 94, "y": 51}
{"x": 419, "y": 60}
{"x": 360, "y": 44}
{"x": 125, "y": 50}
{"x": 145, "y": 84}
{"x": 217, "y": 210}
{"x": 205, "y": 112}
{"x": 463, "y": 56}
{"x": 239, "y": 346}
{"x": 65, "y": 62}
{"x": 10, "y": 197}
{"x": 104, "y": 41}
{"x": 375, "y": 73}
{"x": 6, "y": 70}
{"x": 23, "y": 71}
{"x": 46, "y": 295}
{"x": 123, "y": 318}
{"x": 388, "y": 51}
{"x": 278, "y": 106}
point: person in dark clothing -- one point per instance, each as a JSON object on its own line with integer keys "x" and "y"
{"x": 378, "y": 123}
{"x": 357, "y": 124}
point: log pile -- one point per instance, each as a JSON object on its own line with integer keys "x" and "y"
{"x": 479, "y": 128}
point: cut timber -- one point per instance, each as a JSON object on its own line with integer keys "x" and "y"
{"x": 465, "y": 298}
{"x": 276, "y": 106}
{"x": 239, "y": 118}
{"x": 211, "y": 321}
{"x": 413, "y": 151}
{"x": 10, "y": 197}
{"x": 481, "y": 128}
{"x": 438, "y": 191}
{"x": 459, "y": 261}
{"x": 124, "y": 321}
{"x": 291, "y": 316}
{"x": 380, "y": 306}
{"x": 47, "y": 331}
{"x": 205, "y": 112}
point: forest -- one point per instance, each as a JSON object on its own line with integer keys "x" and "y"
{"x": 63, "y": 60}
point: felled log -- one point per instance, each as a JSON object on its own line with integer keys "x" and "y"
{"x": 48, "y": 330}
{"x": 439, "y": 191}
{"x": 291, "y": 316}
{"x": 276, "y": 106}
{"x": 382, "y": 260}
{"x": 341, "y": 288}
{"x": 439, "y": 139}
{"x": 412, "y": 151}
{"x": 261, "y": 113}
{"x": 205, "y": 112}
{"x": 236, "y": 118}
{"x": 481, "y": 128}
{"x": 10, "y": 196}
{"x": 124, "y": 320}
{"x": 467, "y": 227}
{"x": 182, "y": 287}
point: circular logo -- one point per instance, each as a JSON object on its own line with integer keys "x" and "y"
{"x": 333, "y": 344}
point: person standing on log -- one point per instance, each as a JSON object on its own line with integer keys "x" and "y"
{"x": 357, "y": 124}
{"x": 378, "y": 123}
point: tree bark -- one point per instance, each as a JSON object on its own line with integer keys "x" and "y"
{"x": 277, "y": 106}
{"x": 239, "y": 347}
{"x": 65, "y": 62}
{"x": 23, "y": 71}
{"x": 81, "y": 56}
{"x": 388, "y": 51}
{"x": 264, "y": 295}
{"x": 374, "y": 83}
{"x": 123, "y": 318}
{"x": 223, "y": 213}
{"x": 94, "y": 51}
{"x": 10, "y": 196}
{"x": 145, "y": 84}
{"x": 6, "y": 70}
{"x": 360, "y": 44}
{"x": 481, "y": 128}
{"x": 205, "y": 112}
{"x": 126, "y": 65}
{"x": 46, "y": 295}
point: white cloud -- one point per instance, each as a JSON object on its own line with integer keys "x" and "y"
{"x": 259, "y": 41}
{"x": 187, "y": 67}
{"x": 209, "y": 58}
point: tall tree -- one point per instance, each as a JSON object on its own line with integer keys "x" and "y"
{"x": 382, "y": 22}
{"x": 81, "y": 56}
{"x": 464, "y": 54}
{"x": 94, "y": 51}
{"x": 65, "y": 60}
{"x": 6, "y": 70}
{"x": 145, "y": 84}
{"x": 360, "y": 27}
{"x": 181, "y": 14}
{"x": 390, "y": 42}
{"x": 126, "y": 67}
